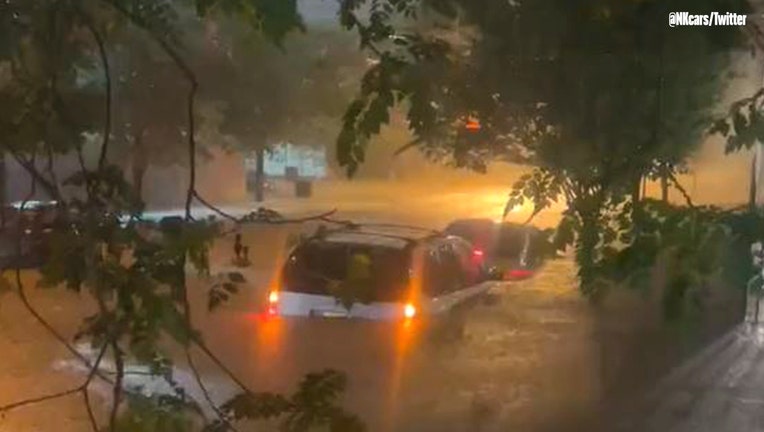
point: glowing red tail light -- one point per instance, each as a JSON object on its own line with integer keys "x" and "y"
{"x": 273, "y": 301}
{"x": 409, "y": 310}
{"x": 273, "y": 297}
{"x": 477, "y": 253}
{"x": 519, "y": 274}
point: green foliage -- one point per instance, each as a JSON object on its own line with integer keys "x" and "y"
{"x": 743, "y": 125}
{"x": 274, "y": 19}
{"x": 41, "y": 51}
{"x": 698, "y": 248}
{"x": 595, "y": 77}
{"x": 221, "y": 291}
{"x": 155, "y": 414}
{"x": 312, "y": 407}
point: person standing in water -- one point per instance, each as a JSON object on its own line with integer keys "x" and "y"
{"x": 237, "y": 247}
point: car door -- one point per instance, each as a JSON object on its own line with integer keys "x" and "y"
{"x": 438, "y": 280}
{"x": 445, "y": 278}
{"x": 471, "y": 266}
{"x": 473, "y": 282}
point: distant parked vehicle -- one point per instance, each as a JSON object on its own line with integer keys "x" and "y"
{"x": 25, "y": 228}
{"x": 514, "y": 248}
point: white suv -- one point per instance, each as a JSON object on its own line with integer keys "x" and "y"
{"x": 451, "y": 274}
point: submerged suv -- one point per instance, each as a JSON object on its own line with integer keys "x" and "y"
{"x": 409, "y": 272}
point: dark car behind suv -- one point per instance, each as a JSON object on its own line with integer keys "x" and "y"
{"x": 514, "y": 248}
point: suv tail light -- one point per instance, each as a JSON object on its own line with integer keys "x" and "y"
{"x": 273, "y": 302}
{"x": 409, "y": 310}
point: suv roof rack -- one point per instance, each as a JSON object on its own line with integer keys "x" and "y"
{"x": 412, "y": 228}
{"x": 369, "y": 229}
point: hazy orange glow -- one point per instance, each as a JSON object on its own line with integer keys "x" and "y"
{"x": 269, "y": 327}
{"x": 269, "y": 342}
{"x": 405, "y": 337}
{"x": 406, "y": 331}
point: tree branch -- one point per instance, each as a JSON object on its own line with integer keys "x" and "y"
{"x": 88, "y": 21}
{"x": 50, "y": 169}
{"x": 191, "y": 77}
{"x": 85, "y": 173}
{"x": 363, "y": 32}
{"x": 89, "y": 408}
{"x": 81, "y": 387}
{"x": 220, "y": 415}
{"x": 117, "y": 388}
{"x": 680, "y": 188}
{"x": 50, "y": 329}
{"x": 40, "y": 399}
{"x": 30, "y": 168}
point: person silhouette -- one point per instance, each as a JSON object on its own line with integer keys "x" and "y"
{"x": 237, "y": 246}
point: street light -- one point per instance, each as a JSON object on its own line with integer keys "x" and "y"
{"x": 472, "y": 124}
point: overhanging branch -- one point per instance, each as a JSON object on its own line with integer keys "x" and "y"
{"x": 88, "y": 21}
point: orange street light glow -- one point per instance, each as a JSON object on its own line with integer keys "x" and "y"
{"x": 472, "y": 125}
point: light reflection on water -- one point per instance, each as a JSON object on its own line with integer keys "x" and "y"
{"x": 511, "y": 366}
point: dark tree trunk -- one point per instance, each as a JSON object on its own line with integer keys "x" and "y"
{"x": 636, "y": 197}
{"x": 664, "y": 187}
{"x": 3, "y": 190}
{"x": 260, "y": 175}
{"x": 752, "y": 192}
{"x": 139, "y": 164}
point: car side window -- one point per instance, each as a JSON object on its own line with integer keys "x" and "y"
{"x": 451, "y": 270}
{"x": 433, "y": 282}
{"x": 469, "y": 268}
{"x": 455, "y": 270}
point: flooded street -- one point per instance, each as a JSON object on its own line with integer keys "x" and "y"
{"x": 529, "y": 361}
{"x": 525, "y": 359}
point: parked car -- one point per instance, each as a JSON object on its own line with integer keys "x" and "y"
{"x": 413, "y": 273}
{"x": 24, "y": 233}
{"x": 514, "y": 248}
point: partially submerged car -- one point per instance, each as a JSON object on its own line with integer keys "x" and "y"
{"x": 514, "y": 248}
{"x": 397, "y": 272}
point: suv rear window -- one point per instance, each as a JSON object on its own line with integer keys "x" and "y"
{"x": 313, "y": 265}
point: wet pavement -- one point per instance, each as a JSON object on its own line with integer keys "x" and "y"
{"x": 721, "y": 389}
